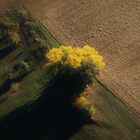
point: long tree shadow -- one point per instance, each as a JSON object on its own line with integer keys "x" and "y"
{"x": 51, "y": 117}
{"x": 6, "y": 51}
{"x": 7, "y": 84}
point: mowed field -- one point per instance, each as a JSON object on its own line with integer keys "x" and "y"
{"x": 113, "y": 27}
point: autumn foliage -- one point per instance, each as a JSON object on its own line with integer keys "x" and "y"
{"x": 74, "y": 68}
{"x": 75, "y": 57}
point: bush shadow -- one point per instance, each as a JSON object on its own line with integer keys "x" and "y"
{"x": 8, "y": 82}
{"x": 51, "y": 117}
{"x": 6, "y": 51}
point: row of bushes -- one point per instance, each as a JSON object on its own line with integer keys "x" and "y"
{"x": 22, "y": 30}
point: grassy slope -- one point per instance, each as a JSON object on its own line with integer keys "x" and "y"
{"x": 116, "y": 121}
{"x": 30, "y": 84}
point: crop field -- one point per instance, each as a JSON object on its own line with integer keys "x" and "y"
{"x": 110, "y": 26}
{"x": 113, "y": 119}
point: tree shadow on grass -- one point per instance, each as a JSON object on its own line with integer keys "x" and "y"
{"x": 6, "y": 51}
{"x": 8, "y": 82}
{"x": 51, "y": 117}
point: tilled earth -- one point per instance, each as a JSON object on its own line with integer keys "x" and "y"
{"x": 111, "y": 26}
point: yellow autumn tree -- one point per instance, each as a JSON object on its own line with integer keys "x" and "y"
{"x": 75, "y": 57}
{"x": 73, "y": 68}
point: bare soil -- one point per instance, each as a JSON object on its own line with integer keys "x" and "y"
{"x": 111, "y": 26}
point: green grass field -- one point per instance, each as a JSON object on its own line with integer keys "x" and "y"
{"x": 115, "y": 121}
{"x": 33, "y": 36}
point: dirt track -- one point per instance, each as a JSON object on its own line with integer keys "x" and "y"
{"x": 112, "y": 26}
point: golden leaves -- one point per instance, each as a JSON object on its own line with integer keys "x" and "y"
{"x": 75, "y": 57}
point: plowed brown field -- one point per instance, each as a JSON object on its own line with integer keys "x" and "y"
{"x": 112, "y": 26}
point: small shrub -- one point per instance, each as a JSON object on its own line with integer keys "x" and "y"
{"x": 14, "y": 37}
{"x": 25, "y": 66}
{"x": 19, "y": 70}
{"x": 15, "y": 88}
{"x": 6, "y": 22}
{"x": 88, "y": 111}
{"x": 22, "y": 12}
{"x": 81, "y": 102}
{"x": 11, "y": 28}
